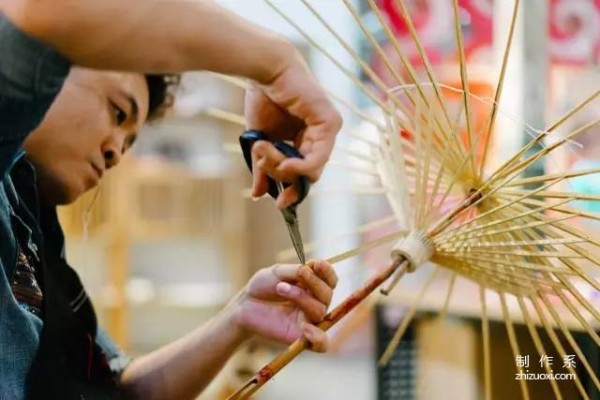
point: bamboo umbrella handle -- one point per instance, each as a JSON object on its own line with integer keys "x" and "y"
{"x": 284, "y": 358}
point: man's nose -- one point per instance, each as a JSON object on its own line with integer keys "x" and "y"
{"x": 112, "y": 157}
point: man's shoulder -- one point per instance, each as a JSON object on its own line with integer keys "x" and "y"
{"x": 31, "y": 76}
{"x": 29, "y": 69}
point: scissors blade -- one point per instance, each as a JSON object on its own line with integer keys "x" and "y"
{"x": 291, "y": 221}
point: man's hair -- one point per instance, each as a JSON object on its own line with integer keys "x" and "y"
{"x": 161, "y": 93}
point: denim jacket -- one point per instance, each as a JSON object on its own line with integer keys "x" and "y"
{"x": 31, "y": 75}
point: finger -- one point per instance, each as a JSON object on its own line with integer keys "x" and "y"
{"x": 286, "y": 272}
{"x": 287, "y": 197}
{"x": 325, "y": 271}
{"x": 317, "y": 337}
{"x": 315, "y": 144}
{"x": 260, "y": 184}
{"x": 311, "y": 165}
{"x": 268, "y": 159}
{"x": 312, "y": 308}
{"x": 315, "y": 285}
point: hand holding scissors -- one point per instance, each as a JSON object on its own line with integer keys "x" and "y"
{"x": 290, "y": 216}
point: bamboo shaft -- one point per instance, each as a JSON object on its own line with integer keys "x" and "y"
{"x": 285, "y": 357}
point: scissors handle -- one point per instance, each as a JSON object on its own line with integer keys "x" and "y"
{"x": 247, "y": 140}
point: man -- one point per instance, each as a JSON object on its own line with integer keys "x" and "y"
{"x": 50, "y": 344}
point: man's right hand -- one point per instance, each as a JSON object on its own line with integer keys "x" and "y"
{"x": 291, "y": 107}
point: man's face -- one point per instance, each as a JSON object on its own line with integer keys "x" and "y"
{"x": 91, "y": 124}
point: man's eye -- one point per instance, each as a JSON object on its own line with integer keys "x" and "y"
{"x": 119, "y": 115}
{"x": 129, "y": 141}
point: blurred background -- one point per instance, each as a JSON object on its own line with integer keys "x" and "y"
{"x": 172, "y": 235}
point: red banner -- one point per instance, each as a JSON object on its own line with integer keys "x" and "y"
{"x": 575, "y": 31}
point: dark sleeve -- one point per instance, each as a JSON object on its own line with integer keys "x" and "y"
{"x": 118, "y": 360}
{"x": 31, "y": 75}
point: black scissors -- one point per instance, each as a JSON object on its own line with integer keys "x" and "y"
{"x": 290, "y": 216}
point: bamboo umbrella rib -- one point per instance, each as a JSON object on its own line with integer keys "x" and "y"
{"x": 550, "y": 307}
{"x": 566, "y": 283}
{"x": 397, "y": 163}
{"x": 457, "y": 173}
{"x": 375, "y": 45}
{"x": 366, "y": 246}
{"x": 423, "y": 54}
{"x": 568, "y": 286}
{"x": 448, "y": 150}
{"x": 356, "y": 111}
{"x": 387, "y": 62}
{"x": 538, "y": 344}
{"x": 311, "y": 246}
{"x": 538, "y": 139}
{"x": 454, "y": 145}
{"x": 353, "y": 168}
{"x": 567, "y": 228}
{"x": 516, "y": 253}
{"x": 520, "y": 166}
{"x": 459, "y": 232}
{"x": 573, "y": 290}
{"x": 442, "y": 316}
{"x": 355, "y": 154}
{"x": 540, "y": 242}
{"x": 362, "y": 64}
{"x": 361, "y": 191}
{"x": 548, "y": 177}
{"x": 343, "y": 69}
{"x": 426, "y": 174}
{"x": 471, "y": 204}
{"x": 514, "y": 345}
{"x": 465, "y": 82}
{"x": 546, "y": 264}
{"x": 491, "y": 121}
{"x": 393, "y": 344}
{"x": 558, "y": 208}
{"x": 512, "y": 228}
{"x": 557, "y": 345}
{"x": 578, "y": 316}
{"x": 420, "y": 185}
{"x": 225, "y": 115}
{"x": 433, "y": 194}
{"x": 368, "y": 191}
{"x": 375, "y": 78}
{"x": 494, "y": 276}
{"x": 241, "y": 120}
{"x": 575, "y": 248}
{"x": 453, "y": 181}
{"x": 362, "y": 139}
{"x": 526, "y": 266}
{"x": 487, "y": 359}
{"x": 574, "y": 110}
{"x": 554, "y": 195}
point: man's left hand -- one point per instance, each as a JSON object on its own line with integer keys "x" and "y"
{"x": 285, "y": 301}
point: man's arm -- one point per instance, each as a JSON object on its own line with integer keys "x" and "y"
{"x": 153, "y": 36}
{"x": 281, "y": 303}
{"x": 185, "y": 367}
{"x": 176, "y": 35}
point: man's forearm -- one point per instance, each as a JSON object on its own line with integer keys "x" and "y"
{"x": 182, "y": 369}
{"x": 153, "y": 36}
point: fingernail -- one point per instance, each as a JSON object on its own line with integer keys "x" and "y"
{"x": 283, "y": 288}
